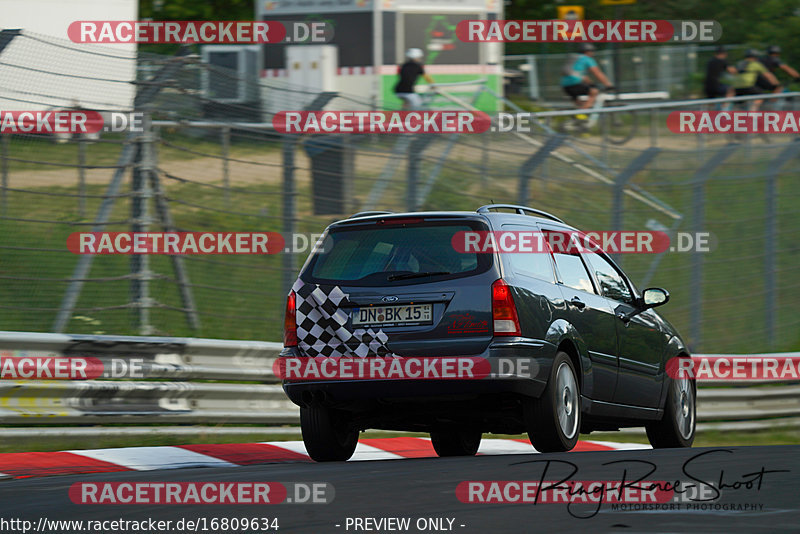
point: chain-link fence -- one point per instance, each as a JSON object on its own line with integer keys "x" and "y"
{"x": 191, "y": 169}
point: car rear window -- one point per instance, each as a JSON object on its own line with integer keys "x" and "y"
{"x": 370, "y": 255}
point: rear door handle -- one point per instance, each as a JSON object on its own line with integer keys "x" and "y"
{"x": 578, "y": 303}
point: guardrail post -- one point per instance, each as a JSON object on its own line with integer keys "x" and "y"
{"x": 165, "y": 219}
{"x": 4, "y": 142}
{"x": 85, "y": 261}
{"x": 226, "y": 148}
{"x": 622, "y": 179}
{"x": 140, "y": 217}
{"x": 653, "y": 127}
{"x": 617, "y": 59}
{"x": 145, "y": 94}
{"x": 415, "y": 150}
{"x": 412, "y": 176}
{"x": 289, "y": 212}
{"x": 533, "y": 78}
{"x": 698, "y": 224}
{"x": 691, "y": 62}
{"x": 663, "y": 65}
{"x": 770, "y": 229}
{"x": 770, "y": 233}
{"x": 641, "y": 75}
{"x": 696, "y": 281}
{"x": 530, "y": 165}
{"x": 289, "y": 193}
{"x": 82, "y": 177}
{"x": 485, "y": 159}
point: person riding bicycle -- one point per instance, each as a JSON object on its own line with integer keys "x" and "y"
{"x": 576, "y": 81}
{"x": 408, "y": 73}
{"x": 749, "y": 70}
{"x": 772, "y": 61}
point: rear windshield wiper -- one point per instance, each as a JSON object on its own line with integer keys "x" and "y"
{"x": 406, "y": 276}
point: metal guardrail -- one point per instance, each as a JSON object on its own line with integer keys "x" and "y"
{"x": 673, "y": 104}
{"x": 669, "y": 105}
{"x": 178, "y": 380}
{"x": 613, "y": 97}
{"x": 212, "y": 382}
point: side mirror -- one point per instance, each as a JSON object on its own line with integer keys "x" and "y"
{"x": 654, "y": 296}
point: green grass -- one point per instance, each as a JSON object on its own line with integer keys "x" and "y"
{"x": 39, "y": 153}
{"x": 248, "y": 278}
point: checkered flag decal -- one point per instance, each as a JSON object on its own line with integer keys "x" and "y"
{"x": 322, "y": 325}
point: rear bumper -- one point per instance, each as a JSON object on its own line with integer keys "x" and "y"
{"x": 333, "y": 393}
{"x": 537, "y": 354}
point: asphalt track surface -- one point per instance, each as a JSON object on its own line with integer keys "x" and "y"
{"x": 425, "y": 487}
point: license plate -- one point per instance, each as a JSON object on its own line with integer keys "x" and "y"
{"x": 393, "y": 315}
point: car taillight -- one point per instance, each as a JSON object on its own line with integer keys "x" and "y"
{"x": 290, "y": 321}
{"x": 504, "y": 312}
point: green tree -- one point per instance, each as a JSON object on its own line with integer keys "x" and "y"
{"x": 192, "y": 10}
{"x": 757, "y": 24}
{"x": 197, "y": 10}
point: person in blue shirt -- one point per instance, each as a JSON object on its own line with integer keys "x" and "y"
{"x": 576, "y": 81}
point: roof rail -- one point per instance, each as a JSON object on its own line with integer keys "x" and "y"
{"x": 521, "y": 210}
{"x": 368, "y": 213}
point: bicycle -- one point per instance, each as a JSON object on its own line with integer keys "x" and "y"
{"x": 426, "y": 96}
{"x": 785, "y": 103}
{"x": 777, "y": 104}
{"x": 618, "y": 128}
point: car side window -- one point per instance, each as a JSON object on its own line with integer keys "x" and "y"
{"x": 612, "y": 284}
{"x": 536, "y": 264}
{"x": 573, "y": 272}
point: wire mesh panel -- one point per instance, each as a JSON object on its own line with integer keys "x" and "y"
{"x": 208, "y": 163}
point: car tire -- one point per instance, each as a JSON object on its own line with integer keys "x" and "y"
{"x": 676, "y": 428}
{"x": 456, "y": 442}
{"x": 327, "y": 434}
{"x": 553, "y": 420}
